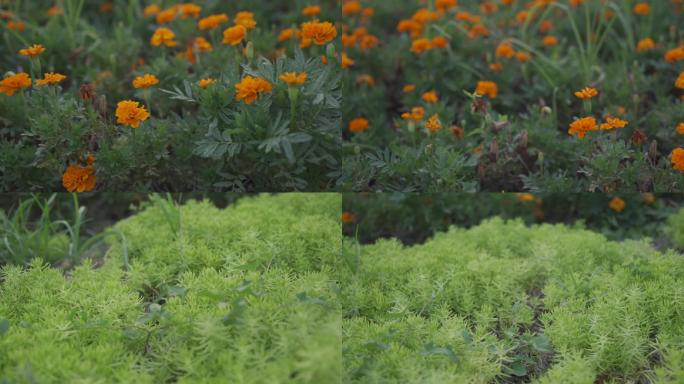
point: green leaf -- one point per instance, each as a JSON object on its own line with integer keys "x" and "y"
{"x": 4, "y": 326}
{"x": 541, "y": 343}
{"x": 239, "y": 307}
{"x": 287, "y": 149}
{"x": 431, "y": 349}
{"x": 516, "y": 369}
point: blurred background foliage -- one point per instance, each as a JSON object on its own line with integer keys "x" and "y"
{"x": 64, "y": 228}
{"x": 413, "y": 218}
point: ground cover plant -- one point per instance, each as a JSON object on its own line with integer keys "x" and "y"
{"x": 506, "y": 303}
{"x": 188, "y": 293}
{"x": 514, "y": 95}
{"x": 169, "y": 96}
{"x": 413, "y": 218}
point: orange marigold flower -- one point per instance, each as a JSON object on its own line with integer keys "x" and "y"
{"x": 445, "y": 5}
{"x": 234, "y": 35}
{"x": 106, "y": 7}
{"x": 14, "y": 25}
{"x": 675, "y": 54}
{"x": 151, "y": 10}
{"x": 212, "y": 21}
{"x": 145, "y": 81}
{"x": 32, "y": 51}
{"x": 246, "y": 19}
{"x": 487, "y": 7}
{"x": 408, "y": 88}
{"x": 11, "y": 84}
{"x": 365, "y": 79}
{"x": 190, "y": 10}
{"x": 351, "y": 7}
{"x": 613, "y": 122}
{"x": 166, "y": 16}
{"x": 348, "y": 217}
{"x": 680, "y": 129}
{"x": 522, "y": 16}
{"x": 358, "y": 125}
{"x": 249, "y": 89}
{"x": 678, "y": 159}
{"x": 77, "y": 178}
{"x": 287, "y": 34}
{"x": 496, "y": 67}
{"x": 487, "y": 88}
{"x": 293, "y": 78}
{"x": 163, "y": 36}
{"x": 346, "y": 61}
{"x": 617, "y": 204}
{"x": 478, "y": 30}
{"x": 203, "y": 83}
{"x": 525, "y": 197}
{"x": 550, "y": 41}
{"x": 646, "y": 44}
{"x": 586, "y": 93}
{"x": 201, "y": 44}
{"x": 416, "y": 114}
{"x": 129, "y": 112}
{"x": 54, "y": 11}
{"x": 581, "y": 126}
{"x": 320, "y": 33}
{"x": 504, "y": 50}
{"x": 679, "y": 83}
{"x": 368, "y": 42}
{"x": 433, "y": 124}
{"x": 523, "y": 56}
{"x": 430, "y": 97}
{"x": 439, "y": 42}
{"x": 311, "y": 10}
{"x": 546, "y": 26}
{"x": 419, "y": 46}
{"x": 51, "y": 78}
{"x": 642, "y": 9}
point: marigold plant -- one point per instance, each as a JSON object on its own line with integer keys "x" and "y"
{"x": 233, "y": 96}
{"x": 519, "y": 80}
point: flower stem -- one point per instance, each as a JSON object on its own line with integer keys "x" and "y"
{"x": 293, "y": 93}
{"x": 147, "y": 96}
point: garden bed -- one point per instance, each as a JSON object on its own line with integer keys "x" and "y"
{"x": 503, "y": 302}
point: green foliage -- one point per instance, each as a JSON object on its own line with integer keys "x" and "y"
{"x": 244, "y": 294}
{"x": 503, "y": 302}
{"x": 415, "y": 217}
{"x": 25, "y": 237}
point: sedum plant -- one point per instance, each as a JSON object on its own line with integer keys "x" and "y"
{"x": 193, "y": 294}
{"x": 503, "y": 302}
